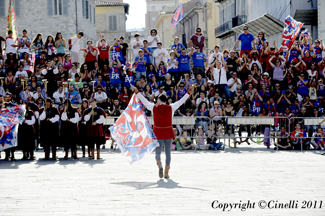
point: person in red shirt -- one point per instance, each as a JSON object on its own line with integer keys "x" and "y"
{"x": 103, "y": 49}
{"x": 162, "y": 118}
{"x": 90, "y": 54}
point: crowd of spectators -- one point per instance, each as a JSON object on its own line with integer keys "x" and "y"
{"x": 260, "y": 79}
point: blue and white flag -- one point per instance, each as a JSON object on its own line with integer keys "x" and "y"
{"x": 133, "y": 132}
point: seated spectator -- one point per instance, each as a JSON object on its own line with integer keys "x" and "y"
{"x": 203, "y": 112}
{"x": 116, "y": 109}
{"x": 229, "y": 112}
{"x": 298, "y": 138}
{"x": 101, "y": 98}
{"x": 264, "y": 93}
{"x": 154, "y": 85}
{"x": 172, "y": 93}
{"x": 201, "y": 98}
{"x": 21, "y": 72}
{"x": 161, "y": 72}
{"x": 148, "y": 93}
{"x": 185, "y": 141}
{"x": 256, "y": 103}
{"x": 100, "y": 82}
{"x": 245, "y": 127}
{"x": 283, "y": 140}
{"x": 233, "y": 83}
{"x": 200, "y": 81}
{"x": 201, "y": 140}
{"x": 41, "y": 61}
{"x": 141, "y": 85}
{"x": 318, "y": 140}
{"x": 161, "y": 90}
{"x": 168, "y": 83}
{"x": 216, "y": 113}
{"x": 213, "y": 136}
{"x": 125, "y": 96}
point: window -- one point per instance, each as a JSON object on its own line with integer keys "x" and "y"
{"x": 87, "y": 12}
{"x": 94, "y": 14}
{"x": 90, "y": 12}
{"x": 57, "y": 7}
{"x": 17, "y": 7}
{"x": 112, "y": 23}
{"x": 2, "y": 8}
{"x": 83, "y": 8}
{"x": 153, "y": 8}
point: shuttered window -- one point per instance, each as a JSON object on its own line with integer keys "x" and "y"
{"x": 87, "y": 11}
{"x": 17, "y": 7}
{"x": 94, "y": 14}
{"x": 90, "y": 13}
{"x": 112, "y": 23}
{"x": 57, "y": 7}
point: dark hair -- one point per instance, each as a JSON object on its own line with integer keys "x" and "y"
{"x": 103, "y": 39}
{"x": 159, "y": 43}
{"x": 198, "y": 28}
{"x": 200, "y": 105}
{"x": 145, "y": 41}
{"x": 143, "y": 77}
{"x": 89, "y": 41}
{"x": 24, "y": 30}
{"x": 122, "y": 38}
{"x": 36, "y": 38}
{"x": 9, "y": 32}
{"x": 163, "y": 98}
{"x": 47, "y": 41}
{"x": 57, "y": 36}
{"x": 81, "y": 33}
{"x": 217, "y": 46}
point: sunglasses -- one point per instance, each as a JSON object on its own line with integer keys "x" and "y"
{"x": 181, "y": 86}
{"x": 245, "y": 29}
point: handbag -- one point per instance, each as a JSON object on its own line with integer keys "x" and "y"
{"x": 217, "y": 86}
{"x": 173, "y": 147}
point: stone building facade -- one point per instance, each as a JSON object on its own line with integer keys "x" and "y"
{"x": 52, "y": 16}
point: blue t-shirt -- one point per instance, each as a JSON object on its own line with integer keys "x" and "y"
{"x": 172, "y": 69}
{"x": 179, "y": 47}
{"x": 117, "y": 52}
{"x": 256, "y": 106}
{"x": 293, "y": 54}
{"x": 302, "y": 88}
{"x": 141, "y": 67}
{"x": 153, "y": 87}
{"x": 115, "y": 75}
{"x": 294, "y": 109}
{"x": 102, "y": 83}
{"x": 318, "y": 54}
{"x": 246, "y": 41}
{"x": 129, "y": 80}
{"x": 198, "y": 59}
{"x": 161, "y": 72}
{"x": 146, "y": 54}
{"x": 184, "y": 63}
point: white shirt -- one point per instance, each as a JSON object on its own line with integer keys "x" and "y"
{"x": 172, "y": 65}
{"x": 214, "y": 55}
{"x": 24, "y": 48}
{"x": 154, "y": 43}
{"x": 223, "y": 79}
{"x": 157, "y": 93}
{"x": 100, "y": 97}
{"x": 135, "y": 51}
{"x": 9, "y": 48}
{"x": 199, "y": 100}
{"x": 57, "y": 96}
{"x": 18, "y": 73}
{"x": 234, "y": 87}
{"x": 75, "y": 44}
{"x": 157, "y": 52}
{"x": 73, "y": 74}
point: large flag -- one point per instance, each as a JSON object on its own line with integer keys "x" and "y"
{"x": 178, "y": 15}
{"x": 133, "y": 133}
{"x": 290, "y": 31}
{"x": 11, "y": 20}
{"x": 9, "y": 120}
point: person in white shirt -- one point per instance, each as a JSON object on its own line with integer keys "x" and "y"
{"x": 137, "y": 44}
{"x": 160, "y": 91}
{"x": 220, "y": 78}
{"x": 160, "y": 54}
{"x": 101, "y": 98}
{"x": 24, "y": 44}
{"x": 10, "y": 45}
{"x": 74, "y": 46}
{"x": 234, "y": 82}
{"x": 200, "y": 99}
{"x": 21, "y": 71}
{"x": 58, "y": 97}
{"x": 216, "y": 55}
{"x": 153, "y": 39}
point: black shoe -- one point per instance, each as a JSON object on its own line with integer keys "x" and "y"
{"x": 323, "y": 154}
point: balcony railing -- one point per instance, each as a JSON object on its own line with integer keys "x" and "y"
{"x": 223, "y": 28}
{"x": 236, "y": 21}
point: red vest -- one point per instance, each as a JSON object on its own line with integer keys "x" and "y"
{"x": 162, "y": 118}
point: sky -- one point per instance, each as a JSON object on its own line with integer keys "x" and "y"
{"x": 136, "y": 17}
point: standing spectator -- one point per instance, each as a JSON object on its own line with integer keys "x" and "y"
{"x": 177, "y": 47}
{"x": 184, "y": 63}
{"x": 278, "y": 68}
{"x": 125, "y": 50}
{"x": 147, "y": 52}
{"x": 90, "y": 54}
{"x": 11, "y": 45}
{"x": 137, "y": 44}
{"x": 220, "y": 78}
{"x": 38, "y": 45}
{"x": 103, "y": 49}
{"x": 172, "y": 65}
{"x": 246, "y": 39}
{"x": 60, "y": 46}
{"x": 49, "y": 47}
{"x": 199, "y": 61}
{"x": 232, "y": 62}
{"x": 140, "y": 65}
{"x": 74, "y": 46}
{"x": 24, "y": 44}
{"x": 216, "y": 55}
{"x": 260, "y": 41}
{"x": 197, "y": 39}
{"x": 160, "y": 54}
{"x": 115, "y": 74}
{"x": 116, "y": 50}
{"x": 318, "y": 50}
{"x": 153, "y": 39}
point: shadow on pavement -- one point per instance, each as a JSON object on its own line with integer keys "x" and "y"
{"x": 168, "y": 184}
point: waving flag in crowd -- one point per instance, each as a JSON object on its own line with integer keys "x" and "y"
{"x": 305, "y": 33}
{"x": 178, "y": 15}
{"x": 12, "y": 19}
{"x": 133, "y": 133}
{"x": 9, "y": 120}
{"x": 290, "y": 31}
{"x": 2, "y": 92}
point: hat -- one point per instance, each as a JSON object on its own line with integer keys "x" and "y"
{"x": 232, "y": 51}
{"x": 265, "y": 74}
{"x": 140, "y": 50}
{"x": 216, "y": 102}
{"x": 210, "y": 81}
{"x": 176, "y": 38}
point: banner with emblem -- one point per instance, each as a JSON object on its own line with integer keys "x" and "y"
{"x": 133, "y": 132}
{"x": 11, "y": 24}
{"x": 290, "y": 31}
{"x": 9, "y": 120}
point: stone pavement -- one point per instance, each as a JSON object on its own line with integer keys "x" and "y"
{"x": 113, "y": 187}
